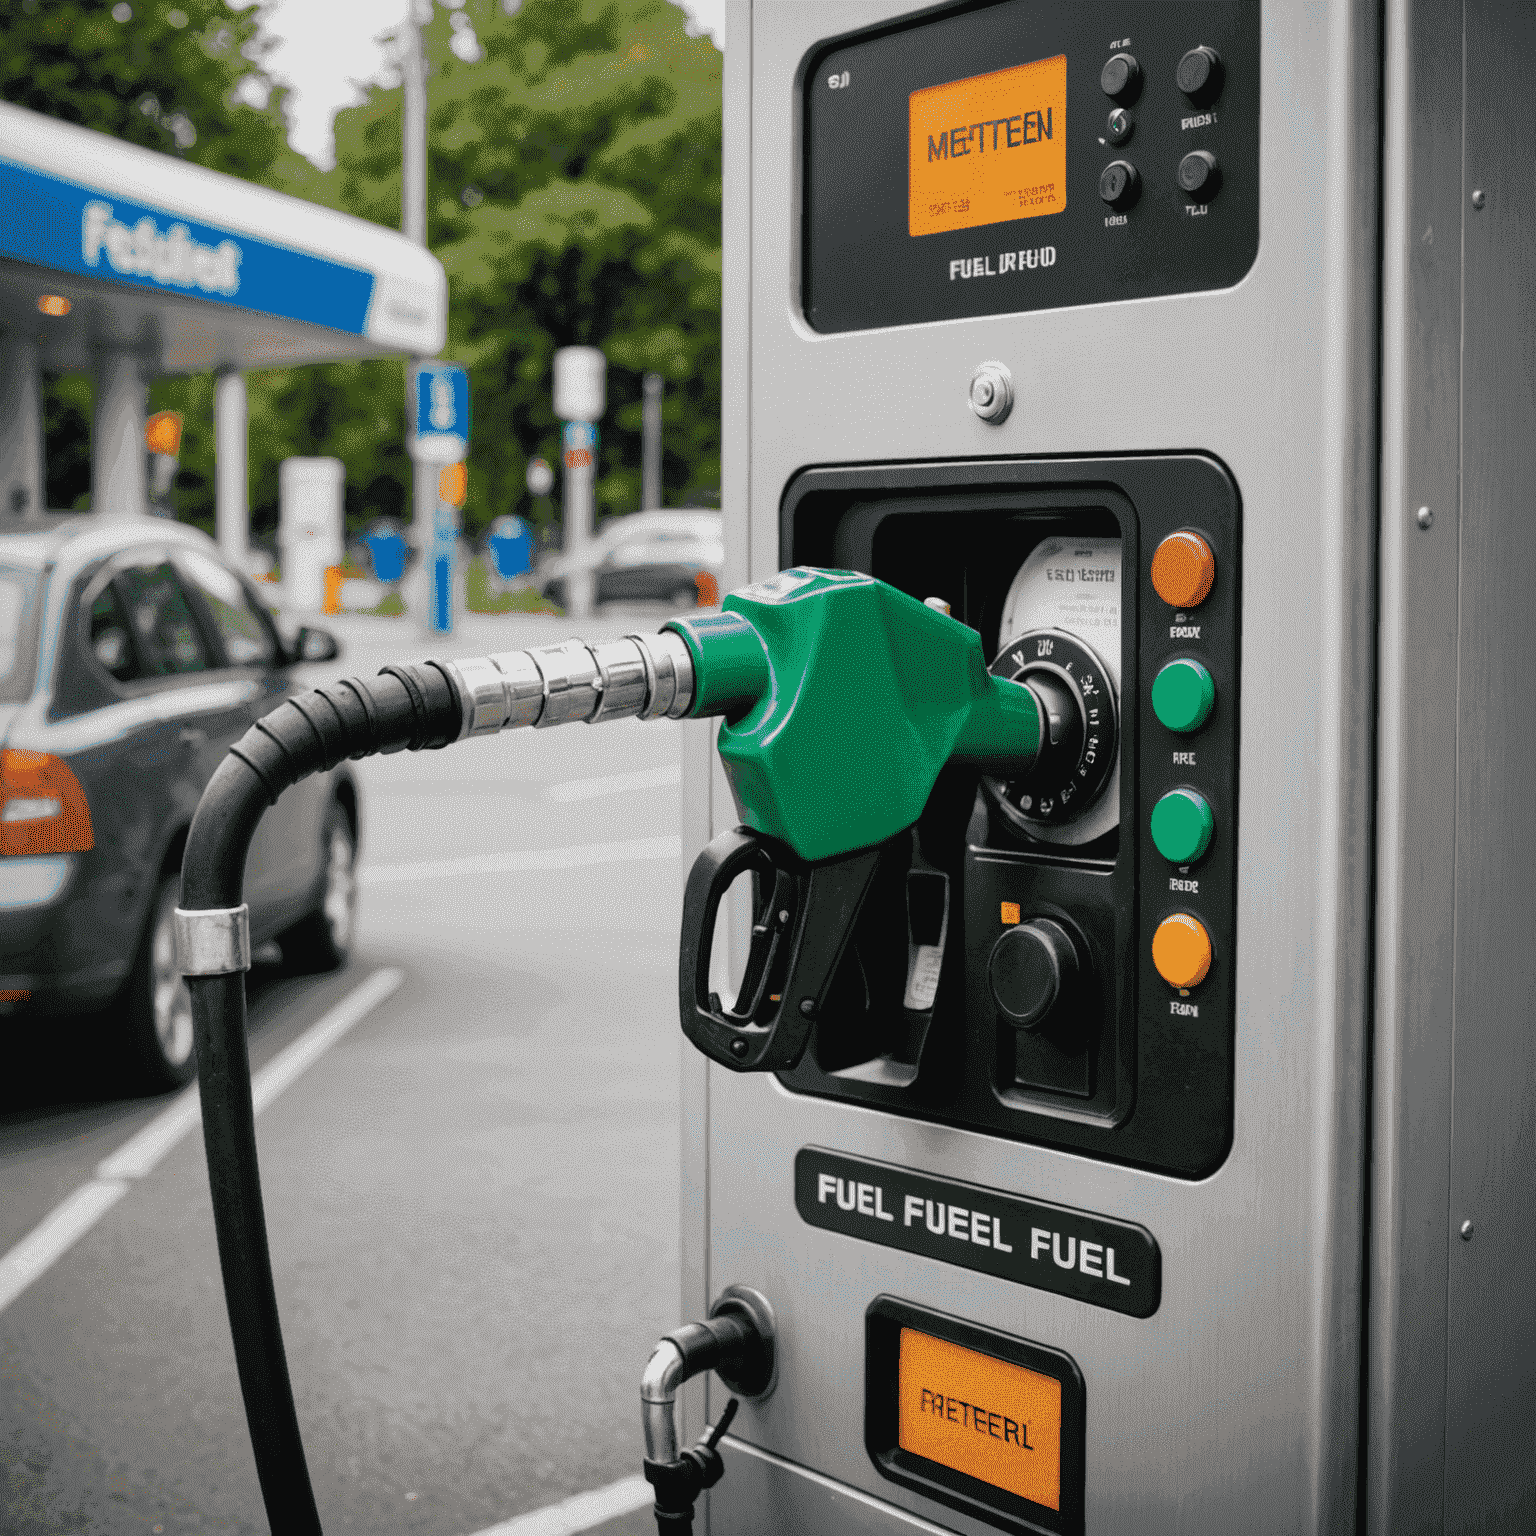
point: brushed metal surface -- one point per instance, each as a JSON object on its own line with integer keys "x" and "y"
{"x": 1423, "y": 199}
{"x": 762, "y": 1492}
{"x": 1236, "y": 1405}
{"x": 1491, "y": 1327}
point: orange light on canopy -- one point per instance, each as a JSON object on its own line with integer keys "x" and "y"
{"x": 54, "y": 304}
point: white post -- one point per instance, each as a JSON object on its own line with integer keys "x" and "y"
{"x": 581, "y": 395}
{"x": 118, "y": 484}
{"x": 650, "y": 443}
{"x": 231, "y": 505}
{"x": 413, "y": 222}
{"x": 22, "y": 478}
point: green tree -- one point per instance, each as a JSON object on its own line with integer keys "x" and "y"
{"x": 186, "y": 79}
{"x": 575, "y": 165}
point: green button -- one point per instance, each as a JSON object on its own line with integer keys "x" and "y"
{"x": 1183, "y": 695}
{"x": 1182, "y": 824}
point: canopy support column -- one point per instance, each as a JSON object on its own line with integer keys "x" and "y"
{"x": 232, "y": 512}
{"x": 22, "y": 480}
{"x": 118, "y": 484}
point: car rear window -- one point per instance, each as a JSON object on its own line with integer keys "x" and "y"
{"x": 20, "y": 611}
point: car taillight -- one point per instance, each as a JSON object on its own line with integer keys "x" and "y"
{"x": 42, "y": 806}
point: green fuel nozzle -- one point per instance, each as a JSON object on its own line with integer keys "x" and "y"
{"x": 843, "y": 700}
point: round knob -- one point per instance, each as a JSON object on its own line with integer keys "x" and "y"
{"x": 1182, "y": 826}
{"x": 1120, "y": 126}
{"x": 1183, "y": 570}
{"x": 1181, "y": 951}
{"x": 1076, "y": 699}
{"x": 1120, "y": 79}
{"x": 1183, "y": 695}
{"x": 1199, "y": 75}
{"x": 1032, "y": 965}
{"x": 1199, "y": 174}
{"x": 1120, "y": 184}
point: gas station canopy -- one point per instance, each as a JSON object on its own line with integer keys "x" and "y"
{"x": 189, "y": 270}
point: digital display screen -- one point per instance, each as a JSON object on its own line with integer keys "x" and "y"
{"x": 988, "y": 149}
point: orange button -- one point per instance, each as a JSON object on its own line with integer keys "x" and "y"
{"x": 1181, "y": 950}
{"x": 1183, "y": 570}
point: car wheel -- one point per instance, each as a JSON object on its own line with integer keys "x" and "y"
{"x": 159, "y": 1004}
{"x": 323, "y": 940}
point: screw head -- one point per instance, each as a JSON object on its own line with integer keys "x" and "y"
{"x": 807, "y": 1007}
{"x": 1466, "y": 1231}
{"x": 1425, "y": 517}
{"x": 991, "y": 392}
{"x": 738, "y": 1047}
{"x": 1479, "y": 198}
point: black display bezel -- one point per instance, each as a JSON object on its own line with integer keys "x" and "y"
{"x": 884, "y": 1319}
{"x": 861, "y": 269}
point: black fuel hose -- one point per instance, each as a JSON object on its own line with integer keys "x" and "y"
{"x": 402, "y": 709}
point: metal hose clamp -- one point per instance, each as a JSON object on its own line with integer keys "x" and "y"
{"x": 216, "y": 942}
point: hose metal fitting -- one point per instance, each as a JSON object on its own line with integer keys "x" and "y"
{"x": 647, "y": 677}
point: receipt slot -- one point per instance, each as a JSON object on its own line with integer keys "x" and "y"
{"x": 1169, "y": 1098}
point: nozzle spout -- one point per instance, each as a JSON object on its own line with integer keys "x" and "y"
{"x": 642, "y": 676}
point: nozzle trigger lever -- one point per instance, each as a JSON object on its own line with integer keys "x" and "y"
{"x": 803, "y": 917}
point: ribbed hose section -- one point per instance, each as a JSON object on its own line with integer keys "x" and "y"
{"x": 404, "y": 708}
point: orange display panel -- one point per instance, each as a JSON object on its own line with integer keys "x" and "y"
{"x": 988, "y": 149}
{"x": 988, "y": 1418}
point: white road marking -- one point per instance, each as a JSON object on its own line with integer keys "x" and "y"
{"x": 616, "y": 783}
{"x": 579, "y": 1513}
{"x": 59, "y": 1230}
{"x": 521, "y": 861}
{"x": 143, "y": 1152}
{"x": 299, "y": 1057}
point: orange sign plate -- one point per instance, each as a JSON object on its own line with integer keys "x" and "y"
{"x": 988, "y": 149}
{"x": 985, "y": 1417}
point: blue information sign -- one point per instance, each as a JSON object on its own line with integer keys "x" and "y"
{"x": 69, "y": 227}
{"x": 440, "y": 425}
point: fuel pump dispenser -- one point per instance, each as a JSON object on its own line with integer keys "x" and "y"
{"x": 1107, "y": 942}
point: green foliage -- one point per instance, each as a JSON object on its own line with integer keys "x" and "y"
{"x": 575, "y": 198}
{"x": 166, "y": 77}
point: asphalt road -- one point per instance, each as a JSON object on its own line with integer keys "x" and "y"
{"x": 472, "y": 1196}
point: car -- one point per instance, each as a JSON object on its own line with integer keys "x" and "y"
{"x": 132, "y": 655}
{"x": 675, "y": 557}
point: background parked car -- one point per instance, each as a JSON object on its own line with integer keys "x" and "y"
{"x": 647, "y": 557}
{"x": 131, "y": 657}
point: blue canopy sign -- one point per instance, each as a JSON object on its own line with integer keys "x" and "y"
{"x": 67, "y": 227}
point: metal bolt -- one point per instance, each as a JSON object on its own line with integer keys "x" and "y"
{"x": 1426, "y": 518}
{"x": 807, "y": 1007}
{"x": 738, "y": 1047}
{"x": 991, "y": 392}
{"x": 1479, "y": 198}
{"x": 1466, "y": 1231}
